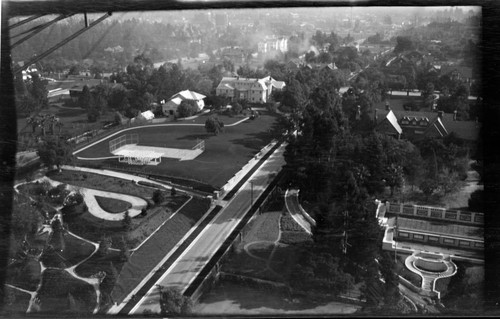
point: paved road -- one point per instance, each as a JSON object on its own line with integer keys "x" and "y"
{"x": 293, "y": 206}
{"x": 197, "y": 255}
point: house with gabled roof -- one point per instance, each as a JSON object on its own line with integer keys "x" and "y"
{"x": 248, "y": 89}
{"x": 461, "y": 73}
{"x": 170, "y": 108}
{"x": 413, "y": 125}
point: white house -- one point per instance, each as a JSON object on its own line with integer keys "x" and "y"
{"x": 170, "y": 108}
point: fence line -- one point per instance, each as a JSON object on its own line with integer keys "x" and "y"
{"x": 436, "y": 213}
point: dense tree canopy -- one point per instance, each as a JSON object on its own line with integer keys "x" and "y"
{"x": 55, "y": 151}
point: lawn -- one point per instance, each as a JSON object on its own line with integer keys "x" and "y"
{"x": 232, "y": 299}
{"x": 24, "y": 274}
{"x": 110, "y": 263}
{"x": 15, "y": 303}
{"x": 264, "y": 227}
{"x": 143, "y": 260}
{"x": 224, "y": 154}
{"x": 112, "y": 205}
{"x": 62, "y": 293}
{"x": 259, "y": 236}
{"x": 75, "y": 250}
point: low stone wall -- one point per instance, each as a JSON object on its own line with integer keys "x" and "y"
{"x": 245, "y": 169}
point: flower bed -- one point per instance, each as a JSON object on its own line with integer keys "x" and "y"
{"x": 294, "y": 237}
{"x": 289, "y": 224}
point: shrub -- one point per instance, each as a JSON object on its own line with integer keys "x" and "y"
{"x": 147, "y": 184}
{"x": 476, "y": 201}
{"x": 173, "y": 192}
{"x": 294, "y": 237}
{"x": 158, "y": 197}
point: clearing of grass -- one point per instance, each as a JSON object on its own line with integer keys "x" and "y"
{"x": 224, "y": 154}
{"x": 264, "y": 227}
{"x": 112, "y": 205}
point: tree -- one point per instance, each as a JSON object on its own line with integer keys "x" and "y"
{"x": 403, "y": 44}
{"x": 172, "y": 302}
{"x": 75, "y": 69}
{"x": 104, "y": 245}
{"x": 127, "y": 221}
{"x": 26, "y": 217}
{"x": 158, "y": 197}
{"x": 476, "y": 201}
{"x": 236, "y": 108}
{"x": 173, "y": 192}
{"x": 86, "y": 100}
{"x": 55, "y": 151}
{"x": 187, "y": 108}
{"x": 214, "y": 125}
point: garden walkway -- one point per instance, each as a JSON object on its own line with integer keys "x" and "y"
{"x": 95, "y": 209}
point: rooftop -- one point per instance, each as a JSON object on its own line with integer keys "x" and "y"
{"x": 467, "y": 130}
{"x": 440, "y": 228}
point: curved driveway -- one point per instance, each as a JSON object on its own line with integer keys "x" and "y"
{"x": 296, "y": 211}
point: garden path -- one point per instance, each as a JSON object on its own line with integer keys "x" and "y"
{"x": 95, "y": 209}
{"x": 296, "y": 211}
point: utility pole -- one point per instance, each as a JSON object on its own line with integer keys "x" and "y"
{"x": 251, "y": 194}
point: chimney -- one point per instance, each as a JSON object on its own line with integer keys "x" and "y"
{"x": 440, "y": 114}
{"x": 455, "y": 115}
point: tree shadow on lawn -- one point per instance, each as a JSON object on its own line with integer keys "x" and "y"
{"x": 249, "y": 297}
{"x": 75, "y": 251}
{"x": 194, "y": 137}
{"x": 254, "y": 141}
{"x": 62, "y": 293}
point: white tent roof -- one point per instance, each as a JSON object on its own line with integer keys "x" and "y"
{"x": 141, "y": 154}
{"x": 148, "y": 115}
